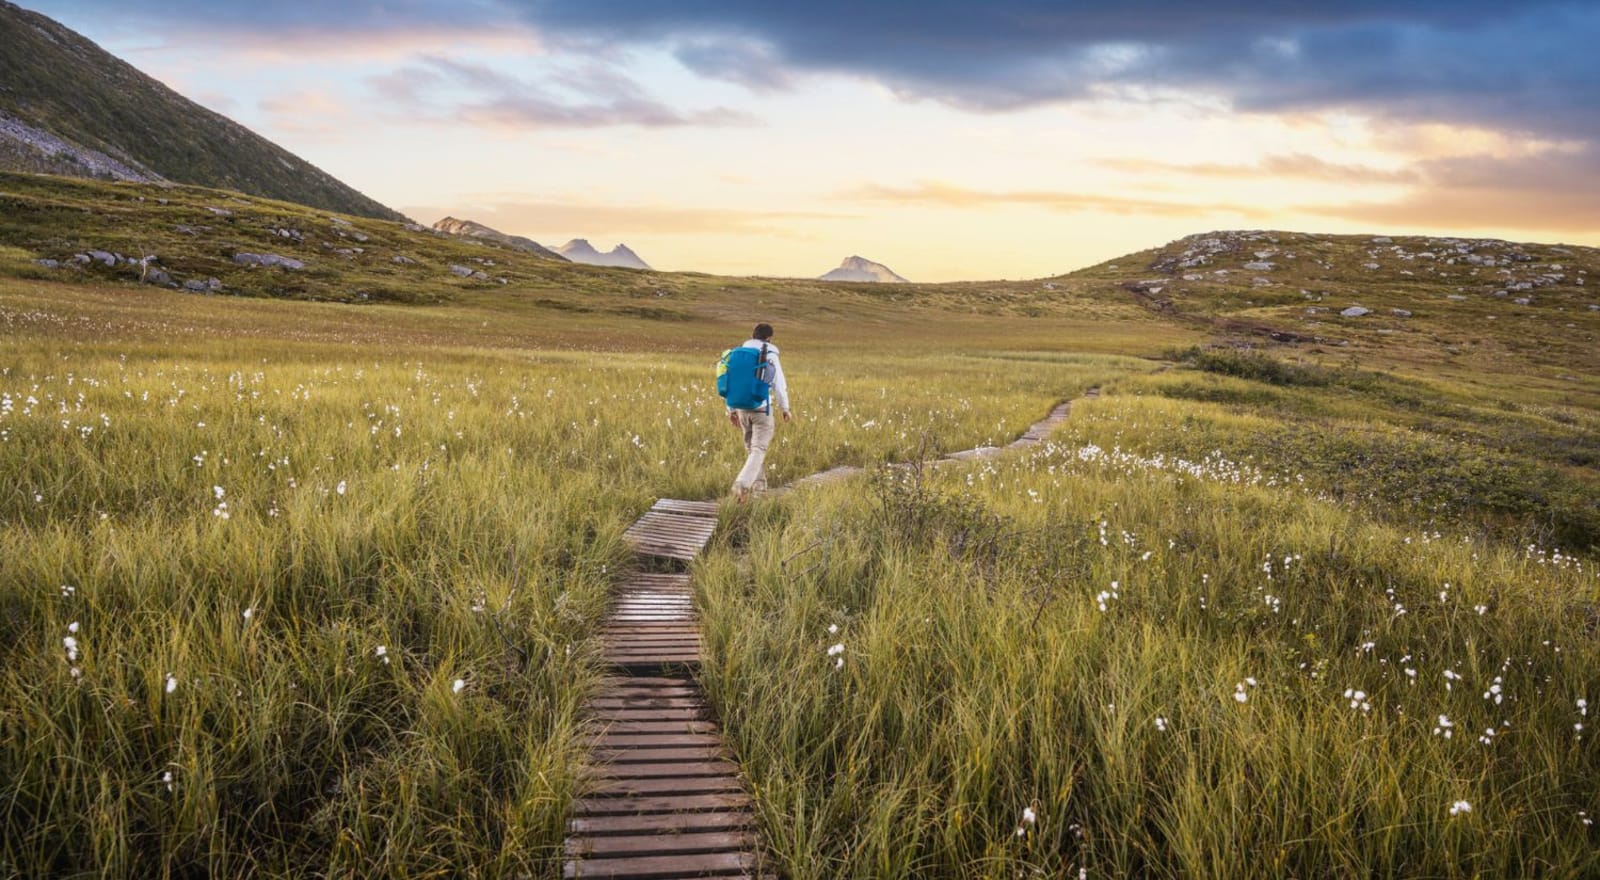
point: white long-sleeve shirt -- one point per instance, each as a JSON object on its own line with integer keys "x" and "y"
{"x": 780, "y": 386}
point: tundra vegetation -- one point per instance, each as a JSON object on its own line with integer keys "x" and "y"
{"x": 296, "y": 588}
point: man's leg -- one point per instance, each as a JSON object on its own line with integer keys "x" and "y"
{"x": 758, "y": 429}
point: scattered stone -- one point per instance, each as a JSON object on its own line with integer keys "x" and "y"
{"x": 1356, "y": 312}
{"x": 414, "y": 227}
{"x": 1194, "y": 276}
{"x": 292, "y": 234}
{"x": 157, "y": 277}
{"x": 220, "y": 212}
{"x": 340, "y": 221}
{"x": 463, "y": 271}
{"x": 402, "y": 260}
{"x": 48, "y": 264}
{"x": 1400, "y": 313}
{"x": 1594, "y": 307}
{"x": 1523, "y": 300}
{"x": 1456, "y": 296}
{"x": 1383, "y": 239}
{"x": 248, "y": 259}
{"x": 1370, "y": 267}
{"x": 1260, "y": 266}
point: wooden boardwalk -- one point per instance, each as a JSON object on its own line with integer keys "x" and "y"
{"x": 664, "y": 798}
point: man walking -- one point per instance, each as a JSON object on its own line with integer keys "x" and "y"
{"x": 752, "y": 413}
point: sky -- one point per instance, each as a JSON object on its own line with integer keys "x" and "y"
{"x": 947, "y": 140}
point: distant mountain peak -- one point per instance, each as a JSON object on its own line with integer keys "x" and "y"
{"x": 579, "y": 250}
{"x": 474, "y": 229}
{"x": 855, "y": 268}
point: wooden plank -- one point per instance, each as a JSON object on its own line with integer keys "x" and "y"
{"x": 626, "y": 806}
{"x": 686, "y": 508}
{"x": 606, "y": 757}
{"x": 668, "y": 727}
{"x": 694, "y": 714}
{"x": 664, "y": 867}
{"x": 665, "y": 823}
{"x": 612, "y": 846}
{"x": 676, "y": 786}
{"x": 665, "y": 769}
{"x": 654, "y": 740}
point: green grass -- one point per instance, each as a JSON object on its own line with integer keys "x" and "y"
{"x": 981, "y": 676}
{"x": 445, "y": 471}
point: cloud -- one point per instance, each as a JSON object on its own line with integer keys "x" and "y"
{"x": 1528, "y": 65}
{"x": 1297, "y": 165}
{"x": 951, "y": 196}
{"x": 592, "y": 96}
{"x": 576, "y": 218}
{"x": 1486, "y": 192}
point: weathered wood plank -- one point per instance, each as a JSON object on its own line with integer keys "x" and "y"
{"x": 664, "y": 867}
{"x": 624, "y": 806}
{"x": 673, "y": 769}
{"x": 663, "y": 823}
{"x": 676, "y": 786}
{"x": 683, "y": 843}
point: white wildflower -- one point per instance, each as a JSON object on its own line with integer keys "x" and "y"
{"x": 1460, "y": 807}
{"x": 458, "y": 687}
{"x": 172, "y": 682}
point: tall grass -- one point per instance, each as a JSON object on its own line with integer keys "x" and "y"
{"x": 1177, "y": 668}
{"x": 299, "y": 610}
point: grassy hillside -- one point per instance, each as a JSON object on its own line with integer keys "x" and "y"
{"x": 55, "y": 80}
{"x": 1277, "y": 603}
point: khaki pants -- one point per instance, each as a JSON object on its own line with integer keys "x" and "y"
{"x": 758, "y": 429}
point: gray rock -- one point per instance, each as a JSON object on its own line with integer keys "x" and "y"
{"x": 81, "y": 259}
{"x": 1260, "y": 266}
{"x": 463, "y": 271}
{"x": 1457, "y": 297}
{"x": 402, "y": 260}
{"x": 1594, "y": 307}
{"x": 414, "y": 227}
{"x": 158, "y": 277}
{"x": 104, "y": 257}
{"x": 1400, "y": 313}
{"x": 340, "y": 221}
{"x": 220, "y": 212}
{"x": 1356, "y": 312}
{"x": 1370, "y": 267}
{"x": 210, "y": 285}
{"x": 268, "y": 260}
{"x": 360, "y": 236}
{"x": 1383, "y": 239}
{"x": 48, "y": 264}
{"x": 1523, "y": 300}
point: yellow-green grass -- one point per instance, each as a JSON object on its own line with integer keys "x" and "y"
{"x": 1183, "y": 667}
{"x": 253, "y": 497}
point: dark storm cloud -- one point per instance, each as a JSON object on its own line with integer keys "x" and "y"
{"x": 1511, "y": 65}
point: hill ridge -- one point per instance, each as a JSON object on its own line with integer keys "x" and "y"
{"x": 68, "y": 106}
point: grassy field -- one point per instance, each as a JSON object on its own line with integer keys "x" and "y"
{"x": 306, "y": 588}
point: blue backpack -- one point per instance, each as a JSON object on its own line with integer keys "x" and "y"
{"x": 744, "y": 377}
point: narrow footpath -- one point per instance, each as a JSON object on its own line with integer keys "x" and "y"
{"x": 665, "y": 798}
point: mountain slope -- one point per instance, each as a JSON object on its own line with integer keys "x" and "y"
{"x": 579, "y": 250}
{"x": 473, "y": 229}
{"x": 69, "y": 107}
{"x": 862, "y": 269}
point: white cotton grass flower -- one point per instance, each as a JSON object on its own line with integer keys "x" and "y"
{"x": 1239, "y": 695}
{"x": 459, "y": 686}
{"x": 1445, "y": 727}
{"x": 833, "y": 629}
{"x": 172, "y": 683}
{"x": 248, "y": 613}
{"x": 1460, "y": 807}
{"x": 340, "y": 488}
{"x": 382, "y": 653}
{"x": 167, "y": 780}
{"x": 1358, "y": 699}
{"x": 836, "y": 649}
{"x": 1161, "y": 724}
{"x": 1029, "y": 818}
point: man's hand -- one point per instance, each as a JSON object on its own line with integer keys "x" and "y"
{"x": 786, "y": 416}
{"x": 733, "y": 418}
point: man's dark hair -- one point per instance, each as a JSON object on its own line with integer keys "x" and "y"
{"x": 762, "y": 332}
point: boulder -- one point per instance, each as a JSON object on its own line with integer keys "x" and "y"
{"x": 1356, "y": 312}
{"x": 463, "y": 271}
{"x": 104, "y": 257}
{"x": 402, "y": 260}
{"x": 1400, "y": 313}
{"x": 269, "y": 260}
{"x": 220, "y": 212}
{"x": 48, "y": 264}
{"x": 1260, "y": 266}
{"x": 210, "y": 285}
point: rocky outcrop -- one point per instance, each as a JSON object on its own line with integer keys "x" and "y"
{"x": 472, "y": 229}
{"x": 579, "y": 250}
{"x": 862, "y": 269}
